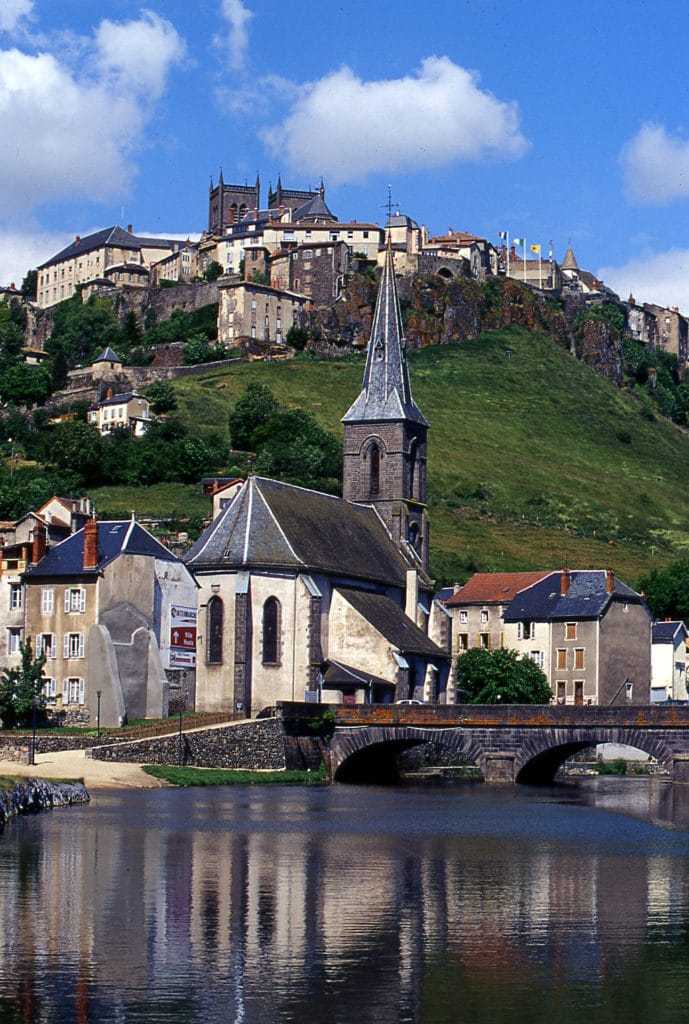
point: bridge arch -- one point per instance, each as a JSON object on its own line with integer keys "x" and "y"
{"x": 545, "y": 751}
{"x": 370, "y": 754}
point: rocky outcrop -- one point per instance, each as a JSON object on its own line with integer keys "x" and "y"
{"x": 29, "y": 796}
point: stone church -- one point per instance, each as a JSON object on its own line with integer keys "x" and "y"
{"x": 306, "y": 596}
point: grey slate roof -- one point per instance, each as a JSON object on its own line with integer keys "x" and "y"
{"x": 276, "y": 525}
{"x": 665, "y": 632}
{"x": 115, "y": 537}
{"x": 339, "y": 674}
{"x": 587, "y": 598}
{"x": 386, "y": 391}
{"x": 391, "y": 622}
{"x": 107, "y": 356}
{"x": 314, "y": 209}
{"x": 113, "y": 236}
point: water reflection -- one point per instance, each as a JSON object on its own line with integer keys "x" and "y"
{"x": 349, "y": 905}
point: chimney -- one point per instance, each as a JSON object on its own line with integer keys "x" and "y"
{"x": 39, "y": 544}
{"x": 77, "y": 240}
{"x": 609, "y": 581}
{"x": 129, "y": 228}
{"x": 90, "y": 544}
{"x": 412, "y": 594}
{"x": 565, "y": 581}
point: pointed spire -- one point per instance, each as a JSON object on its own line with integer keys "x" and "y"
{"x": 569, "y": 262}
{"x": 386, "y": 392}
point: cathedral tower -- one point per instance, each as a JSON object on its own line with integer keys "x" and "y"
{"x": 385, "y": 431}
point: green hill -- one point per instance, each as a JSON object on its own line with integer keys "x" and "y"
{"x": 534, "y": 459}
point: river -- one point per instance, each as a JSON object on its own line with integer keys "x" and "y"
{"x": 347, "y": 905}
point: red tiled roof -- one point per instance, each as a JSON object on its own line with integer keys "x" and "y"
{"x": 495, "y": 587}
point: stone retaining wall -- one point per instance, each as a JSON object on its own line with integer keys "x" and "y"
{"x": 32, "y": 795}
{"x": 254, "y": 745}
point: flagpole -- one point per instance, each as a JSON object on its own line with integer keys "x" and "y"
{"x": 524, "y": 259}
{"x": 540, "y": 276}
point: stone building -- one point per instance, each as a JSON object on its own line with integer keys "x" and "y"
{"x": 305, "y": 596}
{"x": 477, "y": 608}
{"x": 316, "y": 271}
{"x": 255, "y": 313}
{"x": 228, "y": 204}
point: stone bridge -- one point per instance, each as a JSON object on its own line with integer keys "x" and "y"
{"x": 516, "y": 743}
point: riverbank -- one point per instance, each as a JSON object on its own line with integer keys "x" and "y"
{"x": 73, "y": 764}
{"x": 27, "y": 796}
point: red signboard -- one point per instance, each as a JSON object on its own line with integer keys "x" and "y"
{"x": 184, "y": 637}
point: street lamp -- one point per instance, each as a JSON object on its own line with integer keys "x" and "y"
{"x": 98, "y": 695}
{"x": 32, "y": 755}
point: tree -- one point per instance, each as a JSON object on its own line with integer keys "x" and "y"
{"x": 21, "y": 689}
{"x": 213, "y": 271}
{"x": 293, "y": 446}
{"x": 297, "y": 337}
{"x": 161, "y": 395}
{"x": 29, "y": 286}
{"x": 667, "y": 590}
{"x": 25, "y": 384}
{"x": 254, "y": 407}
{"x": 78, "y": 448}
{"x": 500, "y": 677}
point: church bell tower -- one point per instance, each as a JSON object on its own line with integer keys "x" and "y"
{"x": 385, "y": 431}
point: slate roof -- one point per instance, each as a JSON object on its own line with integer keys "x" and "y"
{"x": 315, "y": 208}
{"x": 115, "y": 538}
{"x": 386, "y": 391}
{"x": 276, "y": 525}
{"x": 337, "y": 674}
{"x": 115, "y": 236}
{"x": 665, "y": 632}
{"x": 118, "y": 399}
{"x": 107, "y": 356}
{"x": 494, "y": 587}
{"x": 586, "y": 598}
{"x": 390, "y": 621}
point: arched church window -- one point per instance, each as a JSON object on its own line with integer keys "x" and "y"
{"x": 271, "y": 632}
{"x": 414, "y": 535}
{"x": 413, "y": 469}
{"x": 215, "y": 614}
{"x": 374, "y": 471}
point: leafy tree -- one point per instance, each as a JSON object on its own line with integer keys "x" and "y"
{"x": 297, "y": 337}
{"x": 293, "y": 446}
{"x": 500, "y": 677}
{"x": 11, "y": 337}
{"x": 29, "y": 288}
{"x": 78, "y": 448}
{"x": 667, "y": 590}
{"x": 213, "y": 271}
{"x": 25, "y": 384}
{"x": 81, "y": 330}
{"x": 199, "y": 350}
{"x": 254, "y": 407}
{"x": 161, "y": 395}
{"x": 21, "y": 689}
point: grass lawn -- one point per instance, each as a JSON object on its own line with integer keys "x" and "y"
{"x": 231, "y": 777}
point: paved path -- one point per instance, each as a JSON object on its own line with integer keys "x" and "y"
{"x": 73, "y": 764}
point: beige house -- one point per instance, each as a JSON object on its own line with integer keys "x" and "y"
{"x": 181, "y": 265}
{"x": 129, "y": 410}
{"x": 477, "y": 608}
{"x": 255, "y": 313}
{"x": 91, "y": 257}
{"x": 114, "y": 611}
{"x": 669, "y": 661}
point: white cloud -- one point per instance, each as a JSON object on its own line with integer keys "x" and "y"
{"x": 236, "y": 41}
{"x": 346, "y": 128}
{"x": 656, "y": 166}
{"x": 11, "y": 13}
{"x": 139, "y": 54}
{"x": 26, "y": 248}
{"x": 660, "y": 278}
{"x": 71, "y": 135}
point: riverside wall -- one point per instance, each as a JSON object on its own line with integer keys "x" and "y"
{"x": 29, "y": 796}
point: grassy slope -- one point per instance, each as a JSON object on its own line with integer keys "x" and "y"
{"x": 533, "y": 458}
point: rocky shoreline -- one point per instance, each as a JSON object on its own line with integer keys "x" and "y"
{"x": 28, "y": 796}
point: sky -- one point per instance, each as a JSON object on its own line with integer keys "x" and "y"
{"x": 554, "y": 122}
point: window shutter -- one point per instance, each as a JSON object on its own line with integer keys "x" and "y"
{"x": 38, "y": 645}
{"x": 81, "y": 691}
{"x": 81, "y": 647}
{"x": 67, "y": 599}
{"x": 65, "y": 646}
{"x": 53, "y": 645}
{"x": 65, "y": 691}
{"x": 82, "y": 599}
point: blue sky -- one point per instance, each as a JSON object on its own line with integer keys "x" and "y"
{"x": 562, "y": 123}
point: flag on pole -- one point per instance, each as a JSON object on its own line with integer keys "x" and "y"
{"x": 502, "y": 234}
{"x": 536, "y": 249}
{"x": 519, "y": 241}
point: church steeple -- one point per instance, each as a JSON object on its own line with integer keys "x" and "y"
{"x": 384, "y": 460}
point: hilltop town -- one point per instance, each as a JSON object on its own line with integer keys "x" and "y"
{"x": 290, "y": 592}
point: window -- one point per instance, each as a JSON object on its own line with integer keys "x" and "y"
{"x": 46, "y": 643}
{"x": 73, "y": 645}
{"x": 537, "y": 657}
{"x": 374, "y": 471}
{"x": 484, "y": 616}
{"x": 73, "y": 690}
{"x": 560, "y": 687}
{"x": 50, "y": 690}
{"x": 15, "y": 596}
{"x": 47, "y": 600}
{"x": 484, "y": 641}
{"x": 463, "y": 642}
{"x": 14, "y": 640}
{"x": 629, "y": 690}
{"x": 215, "y": 631}
{"x": 75, "y": 599}
{"x": 561, "y": 661}
{"x": 271, "y": 630}
{"x": 525, "y": 631}
{"x": 578, "y": 657}
{"x": 463, "y": 616}
{"x": 570, "y": 630}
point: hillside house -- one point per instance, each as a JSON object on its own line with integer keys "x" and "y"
{"x": 255, "y": 313}
{"x": 318, "y": 272}
{"x": 477, "y": 608}
{"x": 668, "y": 661}
{"x": 105, "y": 606}
{"x": 127, "y": 411}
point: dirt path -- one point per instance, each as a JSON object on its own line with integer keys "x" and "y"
{"x": 73, "y": 764}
